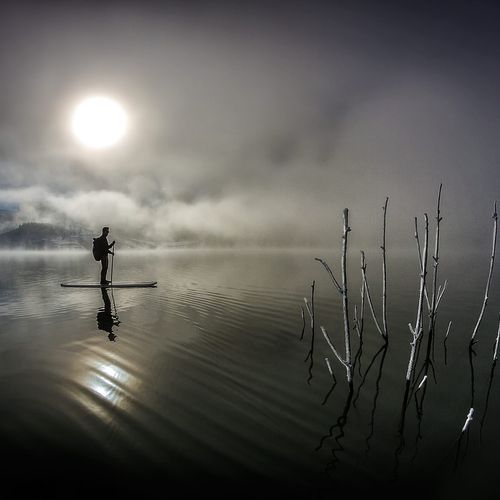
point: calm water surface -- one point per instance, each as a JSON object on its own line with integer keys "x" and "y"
{"x": 204, "y": 381}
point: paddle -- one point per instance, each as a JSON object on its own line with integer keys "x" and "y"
{"x": 112, "y": 262}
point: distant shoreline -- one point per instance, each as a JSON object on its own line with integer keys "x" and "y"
{"x": 319, "y": 251}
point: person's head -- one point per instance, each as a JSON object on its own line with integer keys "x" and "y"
{"x": 105, "y": 230}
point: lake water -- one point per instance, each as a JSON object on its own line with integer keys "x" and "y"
{"x": 204, "y": 382}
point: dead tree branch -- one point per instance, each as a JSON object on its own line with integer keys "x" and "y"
{"x": 417, "y": 330}
{"x": 490, "y": 274}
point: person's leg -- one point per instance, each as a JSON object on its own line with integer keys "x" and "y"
{"x": 104, "y": 270}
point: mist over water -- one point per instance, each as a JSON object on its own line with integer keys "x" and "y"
{"x": 204, "y": 380}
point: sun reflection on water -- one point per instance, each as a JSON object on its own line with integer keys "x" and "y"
{"x": 106, "y": 384}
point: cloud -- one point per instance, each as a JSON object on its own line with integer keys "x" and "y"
{"x": 252, "y": 128}
{"x": 239, "y": 219}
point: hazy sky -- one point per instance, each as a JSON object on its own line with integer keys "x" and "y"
{"x": 255, "y": 122}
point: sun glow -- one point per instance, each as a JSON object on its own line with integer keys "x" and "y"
{"x": 99, "y": 122}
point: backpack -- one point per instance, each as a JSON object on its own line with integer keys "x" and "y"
{"x": 96, "y": 251}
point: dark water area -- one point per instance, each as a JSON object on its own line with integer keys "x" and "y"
{"x": 204, "y": 382}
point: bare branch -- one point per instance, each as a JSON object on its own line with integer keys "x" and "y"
{"x": 303, "y": 322}
{"x": 490, "y": 274}
{"x": 362, "y": 309}
{"x": 424, "y": 379}
{"x": 308, "y": 308}
{"x": 441, "y": 293}
{"x": 384, "y": 273}
{"x": 435, "y": 258}
{"x": 329, "y": 368}
{"x": 345, "y": 303}
{"x": 468, "y": 420}
{"x": 368, "y": 296}
{"x": 356, "y": 325}
{"x": 332, "y": 347}
{"x": 347, "y": 365}
{"x": 447, "y": 330}
{"x": 418, "y": 322}
{"x": 495, "y": 352}
{"x": 327, "y": 267}
{"x": 417, "y": 239}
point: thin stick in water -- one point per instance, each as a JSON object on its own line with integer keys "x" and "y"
{"x": 424, "y": 379}
{"x": 368, "y": 296}
{"x": 468, "y": 420}
{"x": 495, "y": 351}
{"x": 417, "y": 330}
{"x": 384, "y": 273}
{"x": 417, "y": 239}
{"x": 303, "y": 322}
{"x": 447, "y": 331}
{"x": 345, "y": 302}
{"x": 327, "y": 361}
{"x": 330, "y": 273}
{"x": 490, "y": 274}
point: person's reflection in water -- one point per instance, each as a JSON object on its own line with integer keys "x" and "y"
{"x": 105, "y": 318}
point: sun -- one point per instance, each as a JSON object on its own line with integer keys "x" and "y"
{"x": 99, "y": 122}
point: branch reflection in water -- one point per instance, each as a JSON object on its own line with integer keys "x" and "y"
{"x": 339, "y": 424}
{"x": 382, "y": 350}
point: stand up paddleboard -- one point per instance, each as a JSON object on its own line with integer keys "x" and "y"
{"x": 118, "y": 284}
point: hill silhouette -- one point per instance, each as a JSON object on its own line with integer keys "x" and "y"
{"x": 40, "y": 236}
{"x": 44, "y": 236}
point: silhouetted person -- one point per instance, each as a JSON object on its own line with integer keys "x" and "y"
{"x": 101, "y": 250}
{"x": 105, "y": 319}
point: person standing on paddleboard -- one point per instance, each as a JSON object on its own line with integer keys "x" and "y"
{"x": 101, "y": 249}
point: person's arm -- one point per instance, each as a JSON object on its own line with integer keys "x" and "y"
{"x": 109, "y": 246}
